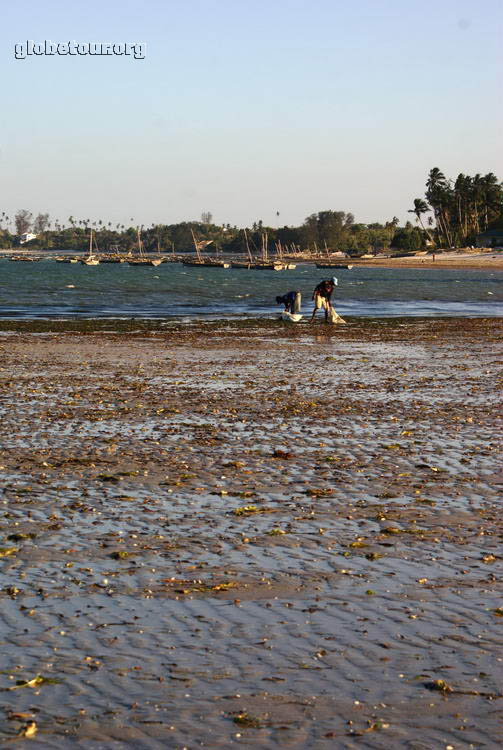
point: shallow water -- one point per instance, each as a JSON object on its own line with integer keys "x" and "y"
{"x": 47, "y": 289}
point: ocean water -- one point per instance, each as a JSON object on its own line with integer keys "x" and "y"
{"x": 47, "y": 289}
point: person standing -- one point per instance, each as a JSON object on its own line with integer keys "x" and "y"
{"x": 322, "y": 296}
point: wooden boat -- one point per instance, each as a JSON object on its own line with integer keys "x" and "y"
{"x": 199, "y": 261}
{"x": 216, "y": 263}
{"x": 145, "y": 262}
{"x": 63, "y": 259}
{"x": 91, "y": 259}
{"x": 280, "y": 258}
{"x": 141, "y": 259}
{"x": 112, "y": 259}
{"x": 268, "y": 266}
{"x": 347, "y": 266}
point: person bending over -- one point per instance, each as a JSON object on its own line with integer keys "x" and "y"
{"x": 322, "y": 296}
{"x": 291, "y": 301}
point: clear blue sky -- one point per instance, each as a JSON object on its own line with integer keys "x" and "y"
{"x": 247, "y": 108}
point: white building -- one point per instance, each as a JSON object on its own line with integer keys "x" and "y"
{"x": 26, "y": 237}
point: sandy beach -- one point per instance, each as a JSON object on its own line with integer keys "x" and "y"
{"x": 251, "y": 534}
{"x": 483, "y": 259}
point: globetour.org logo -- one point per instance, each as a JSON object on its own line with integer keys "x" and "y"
{"x": 22, "y": 50}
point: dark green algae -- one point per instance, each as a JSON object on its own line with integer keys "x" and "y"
{"x": 373, "y": 329}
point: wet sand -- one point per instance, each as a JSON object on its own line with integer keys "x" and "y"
{"x": 256, "y": 535}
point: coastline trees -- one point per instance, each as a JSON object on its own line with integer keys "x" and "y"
{"x": 463, "y": 208}
{"x": 456, "y": 210}
{"x": 420, "y": 207}
{"x": 23, "y": 221}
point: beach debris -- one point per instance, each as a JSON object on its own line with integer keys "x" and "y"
{"x": 373, "y": 726}
{"x": 34, "y": 682}
{"x": 498, "y": 612}
{"x": 20, "y": 715}
{"x": 109, "y": 478}
{"x": 29, "y": 730}
{"x": 373, "y": 556}
{"x": 278, "y": 453}
{"x": 198, "y": 586}
{"x": 245, "y": 719}
{"x": 12, "y": 591}
{"x": 487, "y": 559}
{"x": 320, "y": 492}
{"x": 18, "y": 537}
{"x": 247, "y": 510}
{"x": 276, "y": 532}
{"x": 8, "y": 551}
{"x": 235, "y": 464}
{"x": 439, "y": 685}
{"x": 120, "y": 554}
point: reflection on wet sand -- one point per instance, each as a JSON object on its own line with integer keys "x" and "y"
{"x": 252, "y": 534}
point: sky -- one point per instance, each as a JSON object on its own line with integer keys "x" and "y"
{"x": 246, "y": 109}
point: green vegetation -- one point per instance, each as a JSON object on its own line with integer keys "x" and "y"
{"x": 461, "y": 209}
{"x": 458, "y": 211}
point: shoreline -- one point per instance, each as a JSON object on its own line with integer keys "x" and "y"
{"x": 486, "y": 260}
{"x": 254, "y": 534}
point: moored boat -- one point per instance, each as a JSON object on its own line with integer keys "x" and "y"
{"x": 91, "y": 259}
{"x": 141, "y": 259}
{"x": 146, "y": 262}
{"x": 347, "y": 266}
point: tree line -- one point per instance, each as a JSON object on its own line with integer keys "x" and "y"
{"x": 456, "y": 211}
{"x": 459, "y": 209}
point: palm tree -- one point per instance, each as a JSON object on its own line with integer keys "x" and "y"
{"x": 438, "y": 193}
{"x": 420, "y": 207}
{"x": 462, "y": 188}
{"x": 492, "y": 196}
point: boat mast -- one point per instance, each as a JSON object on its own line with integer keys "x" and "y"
{"x": 196, "y": 247}
{"x": 248, "y": 248}
{"x": 265, "y": 256}
{"x": 140, "y": 243}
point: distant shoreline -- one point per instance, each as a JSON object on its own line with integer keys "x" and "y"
{"x": 456, "y": 260}
{"x": 482, "y": 261}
